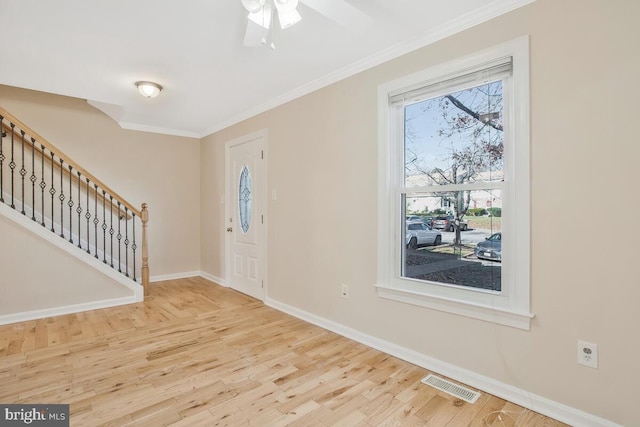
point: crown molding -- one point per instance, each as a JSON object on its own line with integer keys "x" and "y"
{"x": 459, "y": 24}
{"x": 164, "y": 131}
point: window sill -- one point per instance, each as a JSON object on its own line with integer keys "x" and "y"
{"x": 515, "y": 319}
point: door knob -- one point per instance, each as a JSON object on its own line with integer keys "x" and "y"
{"x": 229, "y": 229}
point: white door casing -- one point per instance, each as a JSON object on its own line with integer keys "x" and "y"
{"x": 245, "y": 214}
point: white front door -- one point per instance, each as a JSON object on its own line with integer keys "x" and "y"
{"x": 245, "y": 210}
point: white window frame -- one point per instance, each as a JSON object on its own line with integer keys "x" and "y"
{"x": 510, "y": 306}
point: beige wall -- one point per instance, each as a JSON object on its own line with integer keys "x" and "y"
{"x": 161, "y": 170}
{"x": 212, "y": 226}
{"x": 322, "y": 160}
{"x": 37, "y": 275}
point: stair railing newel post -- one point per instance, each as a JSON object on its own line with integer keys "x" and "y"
{"x": 145, "y": 249}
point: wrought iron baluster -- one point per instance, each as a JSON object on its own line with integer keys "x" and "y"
{"x": 43, "y": 184}
{"x": 95, "y": 219}
{"x": 119, "y": 237}
{"x": 126, "y": 240}
{"x": 12, "y": 164}
{"x": 70, "y": 204}
{"x": 33, "y": 179}
{"x": 79, "y": 210}
{"x": 88, "y": 217}
{"x": 133, "y": 244}
{"x": 104, "y": 227}
{"x": 52, "y": 191}
{"x": 111, "y": 231}
{"x": 61, "y": 197}
{"x": 22, "y": 171}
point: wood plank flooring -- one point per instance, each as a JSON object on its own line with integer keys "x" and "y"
{"x": 197, "y": 354}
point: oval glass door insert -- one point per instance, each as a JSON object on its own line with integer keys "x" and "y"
{"x": 244, "y": 199}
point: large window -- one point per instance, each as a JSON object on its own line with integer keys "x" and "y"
{"x": 454, "y": 187}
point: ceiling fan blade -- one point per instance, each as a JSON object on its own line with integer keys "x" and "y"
{"x": 288, "y": 18}
{"x": 342, "y": 13}
{"x": 256, "y": 35}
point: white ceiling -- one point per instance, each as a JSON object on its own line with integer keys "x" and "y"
{"x": 96, "y": 50}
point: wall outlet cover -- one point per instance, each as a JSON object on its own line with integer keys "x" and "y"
{"x": 588, "y": 354}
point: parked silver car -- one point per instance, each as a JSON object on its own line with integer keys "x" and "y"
{"x": 490, "y": 248}
{"x": 447, "y": 223}
{"x": 420, "y": 234}
{"x": 427, "y": 220}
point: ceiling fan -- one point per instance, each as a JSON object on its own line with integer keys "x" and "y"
{"x": 262, "y": 12}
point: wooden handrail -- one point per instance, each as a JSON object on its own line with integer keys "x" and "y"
{"x": 67, "y": 159}
{"x": 66, "y": 171}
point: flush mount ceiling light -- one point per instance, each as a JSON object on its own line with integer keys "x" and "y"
{"x": 261, "y": 15}
{"x": 148, "y": 89}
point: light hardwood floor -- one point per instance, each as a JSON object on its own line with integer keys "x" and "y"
{"x": 197, "y": 354}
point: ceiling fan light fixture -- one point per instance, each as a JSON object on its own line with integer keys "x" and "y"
{"x": 262, "y": 17}
{"x": 286, "y": 5}
{"x": 259, "y": 30}
{"x": 288, "y": 18}
{"x": 148, "y": 89}
{"x": 253, "y": 6}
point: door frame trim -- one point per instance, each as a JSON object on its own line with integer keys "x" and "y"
{"x": 262, "y": 134}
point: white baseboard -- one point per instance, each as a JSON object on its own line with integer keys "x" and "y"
{"x": 174, "y": 276}
{"x": 67, "y": 309}
{"x": 217, "y": 280}
{"x": 513, "y": 394}
{"x": 187, "y": 274}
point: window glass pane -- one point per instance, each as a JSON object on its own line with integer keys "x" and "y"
{"x": 455, "y": 138}
{"x": 244, "y": 199}
{"x": 451, "y": 249}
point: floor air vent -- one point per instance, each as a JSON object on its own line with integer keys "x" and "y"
{"x": 451, "y": 388}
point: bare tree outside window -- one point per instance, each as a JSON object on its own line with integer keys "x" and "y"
{"x": 453, "y": 144}
{"x": 456, "y": 139}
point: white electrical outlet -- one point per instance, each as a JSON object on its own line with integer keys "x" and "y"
{"x": 588, "y": 354}
{"x": 344, "y": 291}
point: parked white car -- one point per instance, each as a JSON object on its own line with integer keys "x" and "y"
{"x": 420, "y": 234}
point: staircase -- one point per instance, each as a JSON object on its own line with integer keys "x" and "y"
{"x": 49, "y": 195}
